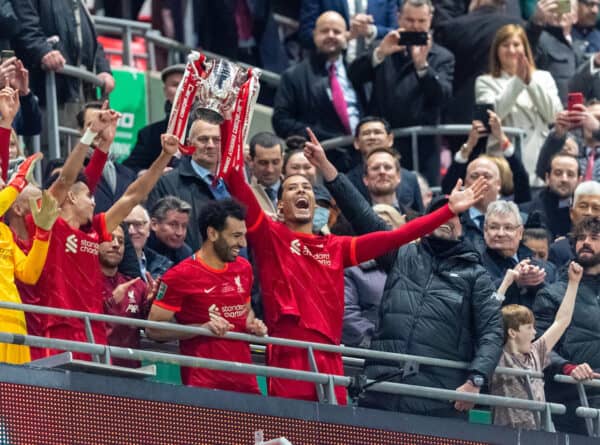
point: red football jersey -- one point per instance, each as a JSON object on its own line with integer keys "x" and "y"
{"x": 191, "y": 289}
{"x": 72, "y": 279}
{"x": 302, "y": 275}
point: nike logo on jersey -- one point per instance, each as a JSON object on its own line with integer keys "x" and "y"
{"x": 209, "y": 290}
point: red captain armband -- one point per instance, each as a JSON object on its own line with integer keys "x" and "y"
{"x": 568, "y": 368}
{"x": 42, "y": 235}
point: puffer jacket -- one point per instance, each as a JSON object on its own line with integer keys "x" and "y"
{"x": 438, "y": 305}
{"x": 448, "y": 310}
{"x": 581, "y": 341}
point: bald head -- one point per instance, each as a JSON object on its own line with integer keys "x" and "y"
{"x": 329, "y": 34}
{"x": 489, "y": 170}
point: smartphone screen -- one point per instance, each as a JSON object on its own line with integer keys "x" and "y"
{"x": 480, "y": 113}
{"x": 574, "y": 99}
{"x": 410, "y": 38}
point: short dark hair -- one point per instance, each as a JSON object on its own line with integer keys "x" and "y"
{"x": 590, "y": 224}
{"x": 295, "y": 142}
{"x": 215, "y": 213}
{"x": 163, "y": 205}
{"x": 285, "y": 178}
{"x": 392, "y": 153}
{"x": 536, "y": 233}
{"x": 369, "y": 119}
{"x": 264, "y": 139}
{"x": 562, "y": 154}
{"x": 93, "y": 105}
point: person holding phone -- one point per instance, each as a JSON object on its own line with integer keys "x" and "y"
{"x": 412, "y": 81}
{"x": 523, "y": 97}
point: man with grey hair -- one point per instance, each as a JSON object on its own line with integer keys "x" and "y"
{"x": 411, "y": 82}
{"x": 503, "y": 232}
{"x": 586, "y": 202}
{"x": 169, "y": 219}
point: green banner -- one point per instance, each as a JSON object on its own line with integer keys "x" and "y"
{"x": 128, "y": 98}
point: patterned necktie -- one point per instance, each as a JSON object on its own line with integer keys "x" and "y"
{"x": 271, "y": 194}
{"x": 337, "y": 96}
{"x": 589, "y": 168}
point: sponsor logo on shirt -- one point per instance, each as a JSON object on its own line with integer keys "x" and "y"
{"x": 234, "y": 311}
{"x": 298, "y": 248}
{"x": 72, "y": 245}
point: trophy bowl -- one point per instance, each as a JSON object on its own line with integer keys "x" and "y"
{"x": 219, "y": 89}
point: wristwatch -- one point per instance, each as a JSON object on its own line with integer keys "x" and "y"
{"x": 477, "y": 380}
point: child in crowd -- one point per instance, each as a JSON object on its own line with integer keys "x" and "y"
{"x": 520, "y": 351}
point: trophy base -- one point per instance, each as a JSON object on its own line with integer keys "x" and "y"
{"x": 209, "y": 115}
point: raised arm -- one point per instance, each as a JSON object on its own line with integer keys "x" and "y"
{"x": 375, "y": 244}
{"x": 565, "y": 310}
{"x": 138, "y": 190}
{"x": 240, "y": 190}
{"x": 74, "y": 162}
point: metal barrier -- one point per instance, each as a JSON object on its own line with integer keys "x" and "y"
{"x": 325, "y": 382}
{"x": 436, "y": 130}
{"x": 584, "y": 411}
{"x": 128, "y": 28}
{"x": 52, "y": 104}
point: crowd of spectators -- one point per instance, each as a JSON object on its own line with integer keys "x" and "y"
{"x": 348, "y": 245}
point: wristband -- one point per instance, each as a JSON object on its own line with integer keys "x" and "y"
{"x": 42, "y": 235}
{"x": 88, "y": 137}
{"x": 568, "y": 368}
{"x": 505, "y": 144}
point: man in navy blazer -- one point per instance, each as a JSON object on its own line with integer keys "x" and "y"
{"x": 383, "y": 13}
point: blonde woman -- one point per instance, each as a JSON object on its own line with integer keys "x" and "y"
{"x": 523, "y": 97}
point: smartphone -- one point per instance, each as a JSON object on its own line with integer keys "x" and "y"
{"x": 564, "y": 6}
{"x": 410, "y": 38}
{"x": 574, "y": 99}
{"x": 6, "y": 54}
{"x": 480, "y": 113}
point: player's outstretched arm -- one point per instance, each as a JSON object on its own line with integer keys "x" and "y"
{"x": 240, "y": 190}
{"x": 139, "y": 189}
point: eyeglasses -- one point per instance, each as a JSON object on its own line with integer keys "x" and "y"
{"x": 136, "y": 224}
{"x": 497, "y": 227}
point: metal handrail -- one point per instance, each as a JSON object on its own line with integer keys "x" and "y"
{"x": 268, "y": 371}
{"x": 421, "y": 130}
{"x": 52, "y": 102}
{"x": 344, "y": 350}
{"x": 593, "y": 429}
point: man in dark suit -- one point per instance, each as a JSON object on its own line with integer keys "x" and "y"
{"x": 317, "y": 92}
{"x": 372, "y": 133}
{"x": 411, "y": 84}
{"x": 469, "y": 38}
{"x": 555, "y": 200}
{"x": 373, "y": 19}
{"x": 192, "y": 179}
{"x": 148, "y": 146}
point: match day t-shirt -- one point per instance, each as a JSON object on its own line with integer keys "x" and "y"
{"x": 72, "y": 279}
{"x": 191, "y": 289}
{"x": 302, "y": 276}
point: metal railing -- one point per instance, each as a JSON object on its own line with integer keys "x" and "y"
{"x": 52, "y": 103}
{"x": 435, "y": 130}
{"x": 129, "y": 28}
{"x": 590, "y": 415}
{"x": 325, "y": 382}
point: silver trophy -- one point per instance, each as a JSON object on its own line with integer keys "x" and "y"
{"x": 218, "y": 91}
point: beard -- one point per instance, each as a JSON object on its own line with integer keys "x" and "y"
{"x": 223, "y": 250}
{"x": 588, "y": 261}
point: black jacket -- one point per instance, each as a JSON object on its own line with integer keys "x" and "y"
{"x": 408, "y": 191}
{"x": 104, "y": 196}
{"x": 41, "y": 19}
{"x": 472, "y": 232}
{"x": 497, "y": 265}
{"x": 561, "y": 252}
{"x": 184, "y": 183}
{"x": 173, "y": 255}
{"x": 469, "y": 37}
{"x": 554, "y": 53}
{"x": 303, "y": 100}
{"x": 156, "y": 264}
{"x": 446, "y": 310}
{"x": 556, "y": 219}
{"x": 581, "y": 341}
{"x": 147, "y": 147}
